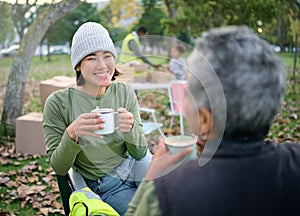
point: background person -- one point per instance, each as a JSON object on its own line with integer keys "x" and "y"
{"x": 246, "y": 176}
{"x": 131, "y": 47}
{"x": 108, "y": 162}
{"x": 177, "y": 64}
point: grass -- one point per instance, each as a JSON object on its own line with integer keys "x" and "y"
{"x": 285, "y": 127}
{"x": 15, "y": 208}
{"x": 288, "y": 59}
{"x": 286, "y": 124}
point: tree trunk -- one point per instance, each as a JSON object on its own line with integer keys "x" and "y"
{"x": 172, "y": 15}
{"x": 13, "y": 101}
{"x": 295, "y": 59}
{"x": 171, "y": 9}
{"x": 281, "y": 35}
{"x": 48, "y": 51}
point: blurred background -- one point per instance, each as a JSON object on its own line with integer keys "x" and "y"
{"x": 277, "y": 21}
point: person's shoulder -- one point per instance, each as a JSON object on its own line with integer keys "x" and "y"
{"x": 121, "y": 86}
{"x": 289, "y": 155}
{"x": 58, "y": 100}
{"x": 187, "y": 168}
{"x": 62, "y": 92}
{"x": 59, "y": 95}
{"x": 290, "y": 150}
{"x": 289, "y": 147}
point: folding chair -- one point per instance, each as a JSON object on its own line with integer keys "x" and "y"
{"x": 148, "y": 125}
{"x": 176, "y": 91}
{"x": 67, "y": 184}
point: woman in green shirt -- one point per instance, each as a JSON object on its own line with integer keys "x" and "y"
{"x": 111, "y": 164}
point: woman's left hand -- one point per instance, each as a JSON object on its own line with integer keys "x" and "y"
{"x": 126, "y": 120}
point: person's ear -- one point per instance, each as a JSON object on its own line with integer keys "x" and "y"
{"x": 205, "y": 121}
{"x": 77, "y": 68}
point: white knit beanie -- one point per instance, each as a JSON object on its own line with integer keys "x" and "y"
{"x": 90, "y": 37}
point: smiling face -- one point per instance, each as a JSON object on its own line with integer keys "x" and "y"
{"x": 97, "y": 70}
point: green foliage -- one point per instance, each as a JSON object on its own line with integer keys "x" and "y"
{"x": 105, "y": 15}
{"x": 121, "y": 10}
{"x": 116, "y": 33}
{"x": 22, "y": 22}
{"x": 295, "y": 25}
{"x": 64, "y": 29}
{"x": 6, "y": 24}
{"x": 201, "y": 15}
{"x": 151, "y": 18}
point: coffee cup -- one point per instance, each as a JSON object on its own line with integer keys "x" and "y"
{"x": 108, "y": 115}
{"x": 178, "y": 143}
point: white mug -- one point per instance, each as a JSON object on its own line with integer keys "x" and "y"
{"x": 108, "y": 115}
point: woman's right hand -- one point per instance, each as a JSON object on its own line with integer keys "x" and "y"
{"x": 85, "y": 125}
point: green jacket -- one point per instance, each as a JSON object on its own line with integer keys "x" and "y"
{"x": 145, "y": 201}
{"x": 92, "y": 157}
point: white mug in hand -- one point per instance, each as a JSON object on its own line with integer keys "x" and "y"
{"x": 108, "y": 115}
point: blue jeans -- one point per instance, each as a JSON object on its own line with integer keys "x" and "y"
{"x": 118, "y": 186}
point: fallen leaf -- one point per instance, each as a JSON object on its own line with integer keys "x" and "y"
{"x": 36, "y": 205}
{"x": 12, "y": 184}
{"x": 4, "y": 161}
{"x": 25, "y": 190}
{"x": 33, "y": 179}
{"x": 12, "y": 172}
{"x": 57, "y": 205}
{"x": 45, "y": 211}
{"x": 23, "y": 203}
{"x": 294, "y": 116}
{"x": 56, "y": 211}
{"x": 4, "y": 180}
{"x": 2, "y": 174}
{"x": 12, "y": 149}
{"x": 46, "y": 203}
{"x": 5, "y": 154}
{"x": 28, "y": 168}
{"x": 47, "y": 179}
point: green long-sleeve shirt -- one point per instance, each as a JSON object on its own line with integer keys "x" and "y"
{"x": 92, "y": 157}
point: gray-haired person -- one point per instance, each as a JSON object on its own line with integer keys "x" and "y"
{"x": 246, "y": 175}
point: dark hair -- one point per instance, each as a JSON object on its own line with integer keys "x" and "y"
{"x": 80, "y": 79}
{"x": 180, "y": 48}
{"x": 142, "y": 29}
